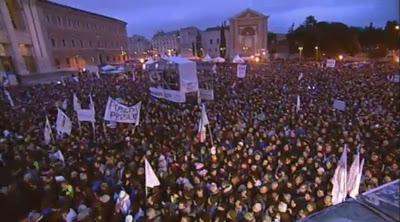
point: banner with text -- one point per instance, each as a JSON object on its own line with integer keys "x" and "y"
{"x": 339, "y": 105}
{"x": 117, "y": 112}
{"x": 331, "y": 63}
{"x": 171, "y": 95}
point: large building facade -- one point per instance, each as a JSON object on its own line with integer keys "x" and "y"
{"x": 138, "y": 46}
{"x": 246, "y": 35}
{"x": 39, "y": 36}
{"x": 249, "y": 34}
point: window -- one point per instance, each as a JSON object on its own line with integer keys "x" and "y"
{"x": 63, "y": 41}
{"x": 90, "y": 43}
{"x": 73, "y": 43}
{"x": 217, "y": 41}
{"x": 211, "y": 41}
{"x": 53, "y": 42}
{"x": 67, "y": 61}
{"x": 81, "y": 43}
{"x": 47, "y": 18}
{"x": 59, "y": 20}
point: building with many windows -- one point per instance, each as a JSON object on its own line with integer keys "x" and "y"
{"x": 138, "y": 46}
{"x": 39, "y": 36}
{"x": 165, "y": 43}
{"x": 211, "y": 40}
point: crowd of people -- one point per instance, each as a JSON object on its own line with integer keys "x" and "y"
{"x": 270, "y": 161}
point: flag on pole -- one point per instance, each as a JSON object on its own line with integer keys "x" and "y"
{"x": 298, "y": 104}
{"x": 64, "y": 104}
{"x": 339, "y": 180}
{"x": 139, "y": 107}
{"x": 353, "y": 173}
{"x": 63, "y": 124}
{"x": 150, "y": 176}
{"x": 77, "y": 104}
{"x": 10, "y": 100}
{"x": 353, "y": 192}
{"x": 201, "y": 133}
{"x": 98, "y": 75}
{"x": 57, "y": 156}
{"x": 300, "y": 76}
{"x": 47, "y": 131}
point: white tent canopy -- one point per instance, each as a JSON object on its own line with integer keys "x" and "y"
{"x": 237, "y": 59}
{"x": 108, "y": 67}
{"x": 218, "y": 59}
{"x": 149, "y": 61}
{"x": 207, "y": 58}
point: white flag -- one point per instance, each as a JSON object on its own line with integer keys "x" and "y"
{"x": 298, "y": 104}
{"x": 77, "y": 104}
{"x": 64, "y": 105}
{"x": 150, "y": 176}
{"x": 10, "y": 100}
{"x": 57, "y": 156}
{"x": 63, "y": 124}
{"x": 300, "y": 76}
{"x": 47, "y": 131}
{"x": 214, "y": 69}
{"x": 356, "y": 186}
{"x": 339, "y": 180}
{"x": 75, "y": 78}
{"x": 203, "y": 121}
{"x": 353, "y": 172}
{"x": 98, "y": 75}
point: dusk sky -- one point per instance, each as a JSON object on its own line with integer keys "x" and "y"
{"x": 145, "y": 17}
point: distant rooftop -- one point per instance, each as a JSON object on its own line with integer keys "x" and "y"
{"x": 82, "y": 11}
{"x": 216, "y": 28}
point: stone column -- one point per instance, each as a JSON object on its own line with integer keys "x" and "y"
{"x": 33, "y": 23}
{"x": 18, "y": 60}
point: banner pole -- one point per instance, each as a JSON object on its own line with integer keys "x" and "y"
{"x": 211, "y": 136}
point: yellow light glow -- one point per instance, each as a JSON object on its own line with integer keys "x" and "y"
{"x": 141, "y": 60}
{"x": 340, "y": 57}
{"x": 252, "y": 57}
{"x": 300, "y": 48}
{"x": 397, "y": 27}
{"x": 257, "y": 59}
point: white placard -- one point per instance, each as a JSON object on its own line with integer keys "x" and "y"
{"x": 241, "y": 71}
{"x": 339, "y": 105}
{"x": 117, "y": 112}
{"x": 331, "y": 63}
{"x": 86, "y": 115}
{"x": 207, "y": 94}
{"x": 63, "y": 123}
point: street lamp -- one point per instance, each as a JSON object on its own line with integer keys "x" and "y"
{"x": 397, "y": 27}
{"x": 300, "y": 48}
{"x": 316, "y": 53}
{"x": 340, "y": 57}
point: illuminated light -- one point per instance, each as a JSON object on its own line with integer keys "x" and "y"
{"x": 252, "y": 57}
{"x": 340, "y": 57}
{"x": 141, "y": 60}
{"x": 397, "y": 27}
{"x": 58, "y": 82}
{"x": 257, "y": 59}
{"x": 264, "y": 53}
{"x": 84, "y": 70}
{"x": 316, "y": 47}
{"x": 300, "y": 48}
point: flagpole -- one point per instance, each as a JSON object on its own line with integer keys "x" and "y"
{"x": 211, "y": 136}
{"x": 94, "y": 130}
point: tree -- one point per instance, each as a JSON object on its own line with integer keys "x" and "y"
{"x": 222, "y": 42}
{"x": 391, "y": 35}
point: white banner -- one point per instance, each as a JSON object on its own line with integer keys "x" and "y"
{"x": 117, "y": 112}
{"x": 174, "y": 96}
{"x": 241, "y": 71}
{"x": 63, "y": 124}
{"x": 331, "y": 63}
{"x": 339, "y": 105}
{"x": 171, "y": 95}
{"x": 86, "y": 115}
{"x": 207, "y": 94}
{"x": 157, "y": 92}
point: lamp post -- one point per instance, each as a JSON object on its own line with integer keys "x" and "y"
{"x": 316, "y": 53}
{"x": 397, "y": 27}
{"x": 300, "y": 48}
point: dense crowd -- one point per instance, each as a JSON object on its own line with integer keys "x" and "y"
{"x": 270, "y": 161}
